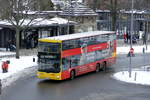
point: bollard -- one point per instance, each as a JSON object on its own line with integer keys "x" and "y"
{"x": 143, "y": 50}
{"x": 33, "y": 59}
{"x": 135, "y": 76}
{"x": 131, "y": 53}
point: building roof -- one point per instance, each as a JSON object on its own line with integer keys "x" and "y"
{"x": 77, "y": 9}
{"x": 103, "y": 11}
{"x": 51, "y": 22}
{"x": 40, "y": 22}
{"x": 127, "y": 12}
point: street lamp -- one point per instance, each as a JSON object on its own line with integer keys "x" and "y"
{"x": 131, "y": 33}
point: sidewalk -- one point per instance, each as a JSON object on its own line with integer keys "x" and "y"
{"x": 18, "y": 67}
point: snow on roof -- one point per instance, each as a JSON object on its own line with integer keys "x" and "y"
{"x": 55, "y": 2}
{"x": 4, "y": 22}
{"x": 52, "y": 21}
{"x": 98, "y": 11}
{"x": 61, "y": 20}
{"x": 126, "y": 11}
{"x": 39, "y": 12}
{"x": 79, "y": 35}
{"x": 78, "y": 9}
{"x": 136, "y": 11}
{"x": 80, "y": 0}
{"x": 40, "y": 22}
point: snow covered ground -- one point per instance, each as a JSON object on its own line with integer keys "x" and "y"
{"x": 17, "y": 66}
{"x": 6, "y": 53}
{"x": 137, "y": 77}
{"x": 137, "y": 49}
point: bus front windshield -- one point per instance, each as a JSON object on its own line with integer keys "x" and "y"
{"x": 49, "y": 57}
{"x": 48, "y": 47}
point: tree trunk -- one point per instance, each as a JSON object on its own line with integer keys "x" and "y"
{"x": 113, "y": 13}
{"x": 17, "y": 42}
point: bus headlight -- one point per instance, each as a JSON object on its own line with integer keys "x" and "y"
{"x": 57, "y": 76}
{"x": 38, "y": 74}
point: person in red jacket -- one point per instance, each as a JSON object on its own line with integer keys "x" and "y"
{"x": 125, "y": 37}
{"x": 5, "y": 67}
{"x": 131, "y": 52}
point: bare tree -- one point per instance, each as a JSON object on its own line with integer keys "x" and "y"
{"x": 96, "y": 4}
{"x": 113, "y": 9}
{"x": 16, "y": 12}
{"x": 43, "y": 5}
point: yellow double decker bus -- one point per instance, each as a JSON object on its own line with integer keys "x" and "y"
{"x": 67, "y": 56}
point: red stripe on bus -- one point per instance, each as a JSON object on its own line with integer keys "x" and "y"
{"x": 97, "y": 47}
{"x": 70, "y": 52}
{"x": 90, "y": 48}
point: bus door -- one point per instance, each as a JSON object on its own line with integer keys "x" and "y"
{"x": 65, "y": 67}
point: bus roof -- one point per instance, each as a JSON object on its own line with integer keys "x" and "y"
{"x": 78, "y": 35}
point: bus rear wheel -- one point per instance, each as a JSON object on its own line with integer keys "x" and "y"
{"x": 72, "y": 75}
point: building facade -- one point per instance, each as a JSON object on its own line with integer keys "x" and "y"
{"x": 84, "y": 16}
{"x": 39, "y": 29}
{"x": 141, "y": 22}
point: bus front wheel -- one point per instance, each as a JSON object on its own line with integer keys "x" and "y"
{"x": 72, "y": 75}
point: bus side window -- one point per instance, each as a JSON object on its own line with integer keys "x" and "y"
{"x": 75, "y": 60}
{"x": 65, "y": 63}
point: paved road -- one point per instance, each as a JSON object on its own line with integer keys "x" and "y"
{"x": 92, "y": 86}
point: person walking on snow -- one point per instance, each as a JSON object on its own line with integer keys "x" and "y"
{"x": 125, "y": 37}
{"x": 5, "y": 66}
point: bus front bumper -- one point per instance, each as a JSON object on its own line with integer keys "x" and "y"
{"x": 51, "y": 76}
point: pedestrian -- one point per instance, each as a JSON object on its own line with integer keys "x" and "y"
{"x": 144, "y": 38}
{"x": 131, "y": 52}
{"x": 125, "y": 37}
{"x": 8, "y": 45}
{"x": 0, "y": 86}
{"x": 5, "y": 66}
{"x": 12, "y": 47}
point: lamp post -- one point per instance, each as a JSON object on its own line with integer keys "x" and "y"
{"x": 131, "y": 33}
